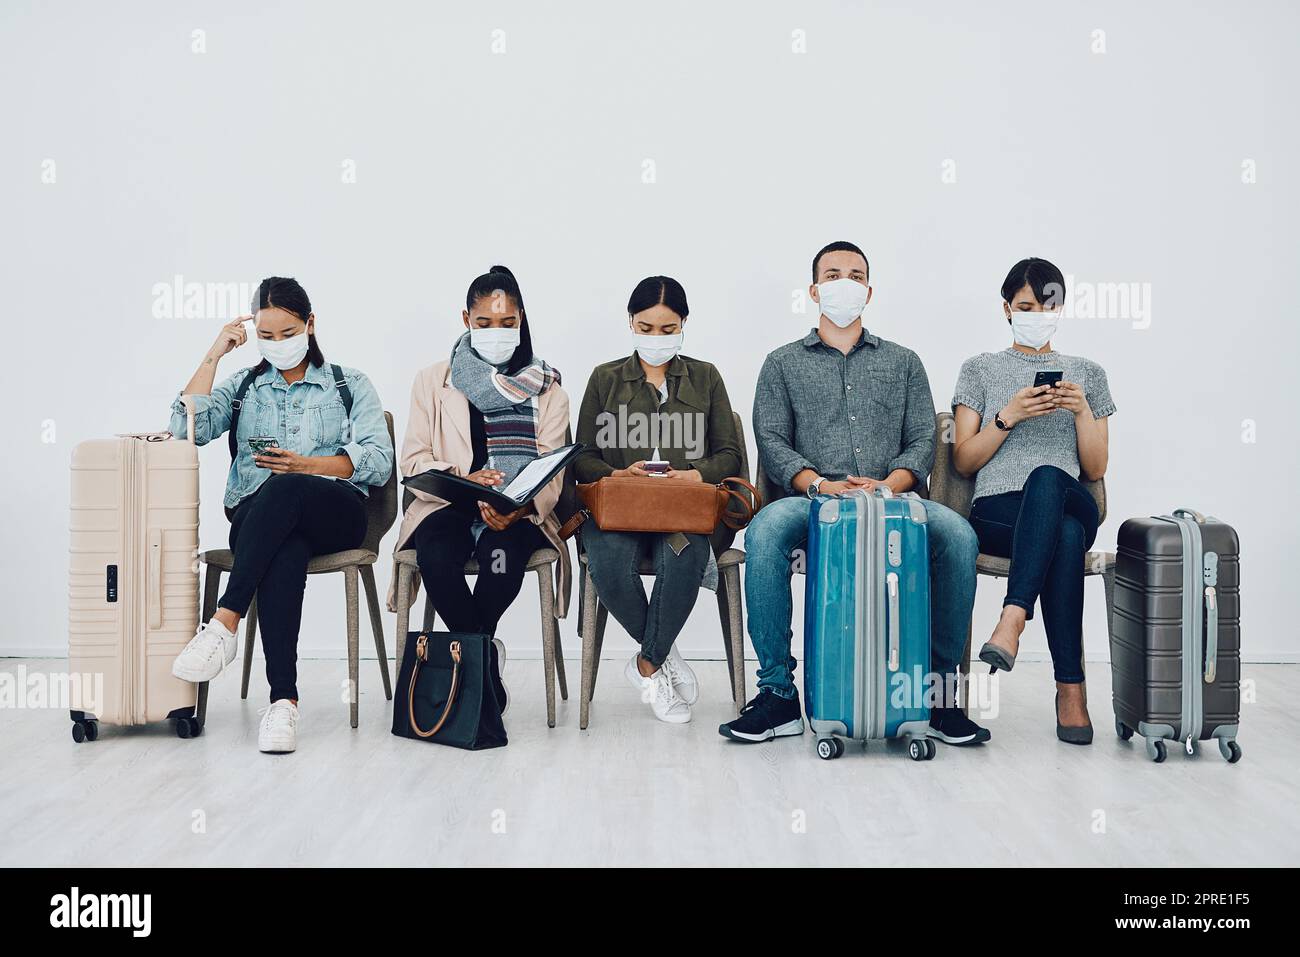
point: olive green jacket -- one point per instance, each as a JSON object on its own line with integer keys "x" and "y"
{"x": 621, "y": 420}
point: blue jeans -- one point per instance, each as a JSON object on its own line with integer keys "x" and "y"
{"x": 782, "y": 527}
{"x": 1046, "y": 528}
{"x": 613, "y": 558}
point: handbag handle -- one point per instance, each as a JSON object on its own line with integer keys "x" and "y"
{"x": 750, "y": 505}
{"x": 421, "y": 656}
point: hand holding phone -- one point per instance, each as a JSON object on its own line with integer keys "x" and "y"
{"x": 655, "y": 467}
{"x": 1048, "y": 377}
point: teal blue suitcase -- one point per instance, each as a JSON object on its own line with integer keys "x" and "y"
{"x": 867, "y": 621}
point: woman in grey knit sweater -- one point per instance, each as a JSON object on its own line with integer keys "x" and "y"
{"x": 1028, "y": 445}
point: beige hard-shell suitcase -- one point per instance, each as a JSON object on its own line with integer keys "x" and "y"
{"x": 133, "y": 582}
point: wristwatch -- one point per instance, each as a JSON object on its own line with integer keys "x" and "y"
{"x": 997, "y": 420}
{"x": 814, "y": 487}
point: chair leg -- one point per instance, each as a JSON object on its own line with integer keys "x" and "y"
{"x": 377, "y": 625}
{"x": 430, "y": 617}
{"x": 211, "y": 586}
{"x": 736, "y": 636}
{"x": 250, "y": 639}
{"x": 559, "y": 659}
{"x": 724, "y": 619}
{"x": 587, "y": 629}
{"x": 211, "y": 589}
{"x": 403, "y": 611}
{"x": 1108, "y": 579}
{"x": 354, "y": 628}
{"x": 546, "y": 599}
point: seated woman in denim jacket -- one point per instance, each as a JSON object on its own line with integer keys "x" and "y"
{"x": 1028, "y": 446}
{"x": 287, "y": 503}
{"x": 696, "y": 434}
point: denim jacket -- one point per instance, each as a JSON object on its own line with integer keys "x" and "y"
{"x": 306, "y": 417}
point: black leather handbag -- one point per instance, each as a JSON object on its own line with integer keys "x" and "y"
{"x": 446, "y": 692}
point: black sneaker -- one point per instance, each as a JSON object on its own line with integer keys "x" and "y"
{"x": 767, "y": 716}
{"x": 951, "y": 726}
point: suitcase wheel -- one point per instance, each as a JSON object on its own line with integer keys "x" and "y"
{"x": 921, "y": 749}
{"x": 1123, "y": 730}
{"x": 1230, "y": 750}
{"x": 829, "y": 748}
{"x": 1156, "y": 750}
{"x": 87, "y": 730}
{"x": 188, "y": 727}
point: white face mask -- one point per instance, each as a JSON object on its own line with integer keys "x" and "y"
{"x": 284, "y": 353}
{"x": 657, "y": 350}
{"x": 494, "y": 345}
{"x": 1034, "y": 330}
{"x": 842, "y": 300}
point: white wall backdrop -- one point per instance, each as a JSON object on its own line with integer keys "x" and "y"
{"x": 1150, "y": 144}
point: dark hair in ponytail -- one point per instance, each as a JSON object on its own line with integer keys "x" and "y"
{"x": 658, "y": 291}
{"x": 501, "y": 279}
{"x": 277, "y": 292}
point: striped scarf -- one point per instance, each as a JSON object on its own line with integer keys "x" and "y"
{"x": 508, "y": 404}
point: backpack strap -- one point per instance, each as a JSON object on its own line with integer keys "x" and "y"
{"x": 235, "y": 405}
{"x": 345, "y": 394}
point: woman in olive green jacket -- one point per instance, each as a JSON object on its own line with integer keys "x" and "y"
{"x": 655, "y": 413}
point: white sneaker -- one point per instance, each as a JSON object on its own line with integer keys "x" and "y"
{"x": 682, "y": 677}
{"x": 278, "y": 733}
{"x": 212, "y": 648}
{"x": 501, "y": 670}
{"x": 657, "y": 691}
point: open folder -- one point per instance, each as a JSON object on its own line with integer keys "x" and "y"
{"x": 465, "y": 495}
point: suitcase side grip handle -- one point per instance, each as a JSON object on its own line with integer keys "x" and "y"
{"x": 891, "y": 592}
{"x": 154, "y": 586}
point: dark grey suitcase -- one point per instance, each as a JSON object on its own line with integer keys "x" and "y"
{"x": 1176, "y": 635}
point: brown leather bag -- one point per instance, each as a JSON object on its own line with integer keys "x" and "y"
{"x": 630, "y": 504}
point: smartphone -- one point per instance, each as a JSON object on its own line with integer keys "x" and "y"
{"x": 656, "y": 468}
{"x": 260, "y": 443}
{"x": 1050, "y": 377}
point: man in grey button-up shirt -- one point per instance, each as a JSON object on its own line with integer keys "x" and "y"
{"x": 838, "y": 410}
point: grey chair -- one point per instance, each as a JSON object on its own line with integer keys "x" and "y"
{"x": 354, "y": 563}
{"x": 541, "y": 562}
{"x": 592, "y": 614}
{"x": 950, "y": 488}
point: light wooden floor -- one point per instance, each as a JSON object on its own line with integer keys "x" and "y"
{"x": 633, "y": 791}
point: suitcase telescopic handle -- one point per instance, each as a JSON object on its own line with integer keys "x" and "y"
{"x": 189, "y": 417}
{"x": 891, "y": 591}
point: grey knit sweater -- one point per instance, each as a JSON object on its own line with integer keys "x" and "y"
{"x": 986, "y": 384}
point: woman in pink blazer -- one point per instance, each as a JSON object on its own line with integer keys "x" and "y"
{"x": 484, "y": 414}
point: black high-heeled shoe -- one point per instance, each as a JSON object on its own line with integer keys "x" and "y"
{"x": 1073, "y": 734}
{"x": 996, "y": 658}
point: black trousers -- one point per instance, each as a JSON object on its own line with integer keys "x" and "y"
{"x": 274, "y": 533}
{"x": 443, "y": 543}
{"x": 1046, "y": 529}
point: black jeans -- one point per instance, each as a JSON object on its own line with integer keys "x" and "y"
{"x": 1045, "y": 529}
{"x": 274, "y": 533}
{"x": 443, "y": 543}
{"x": 613, "y": 557}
